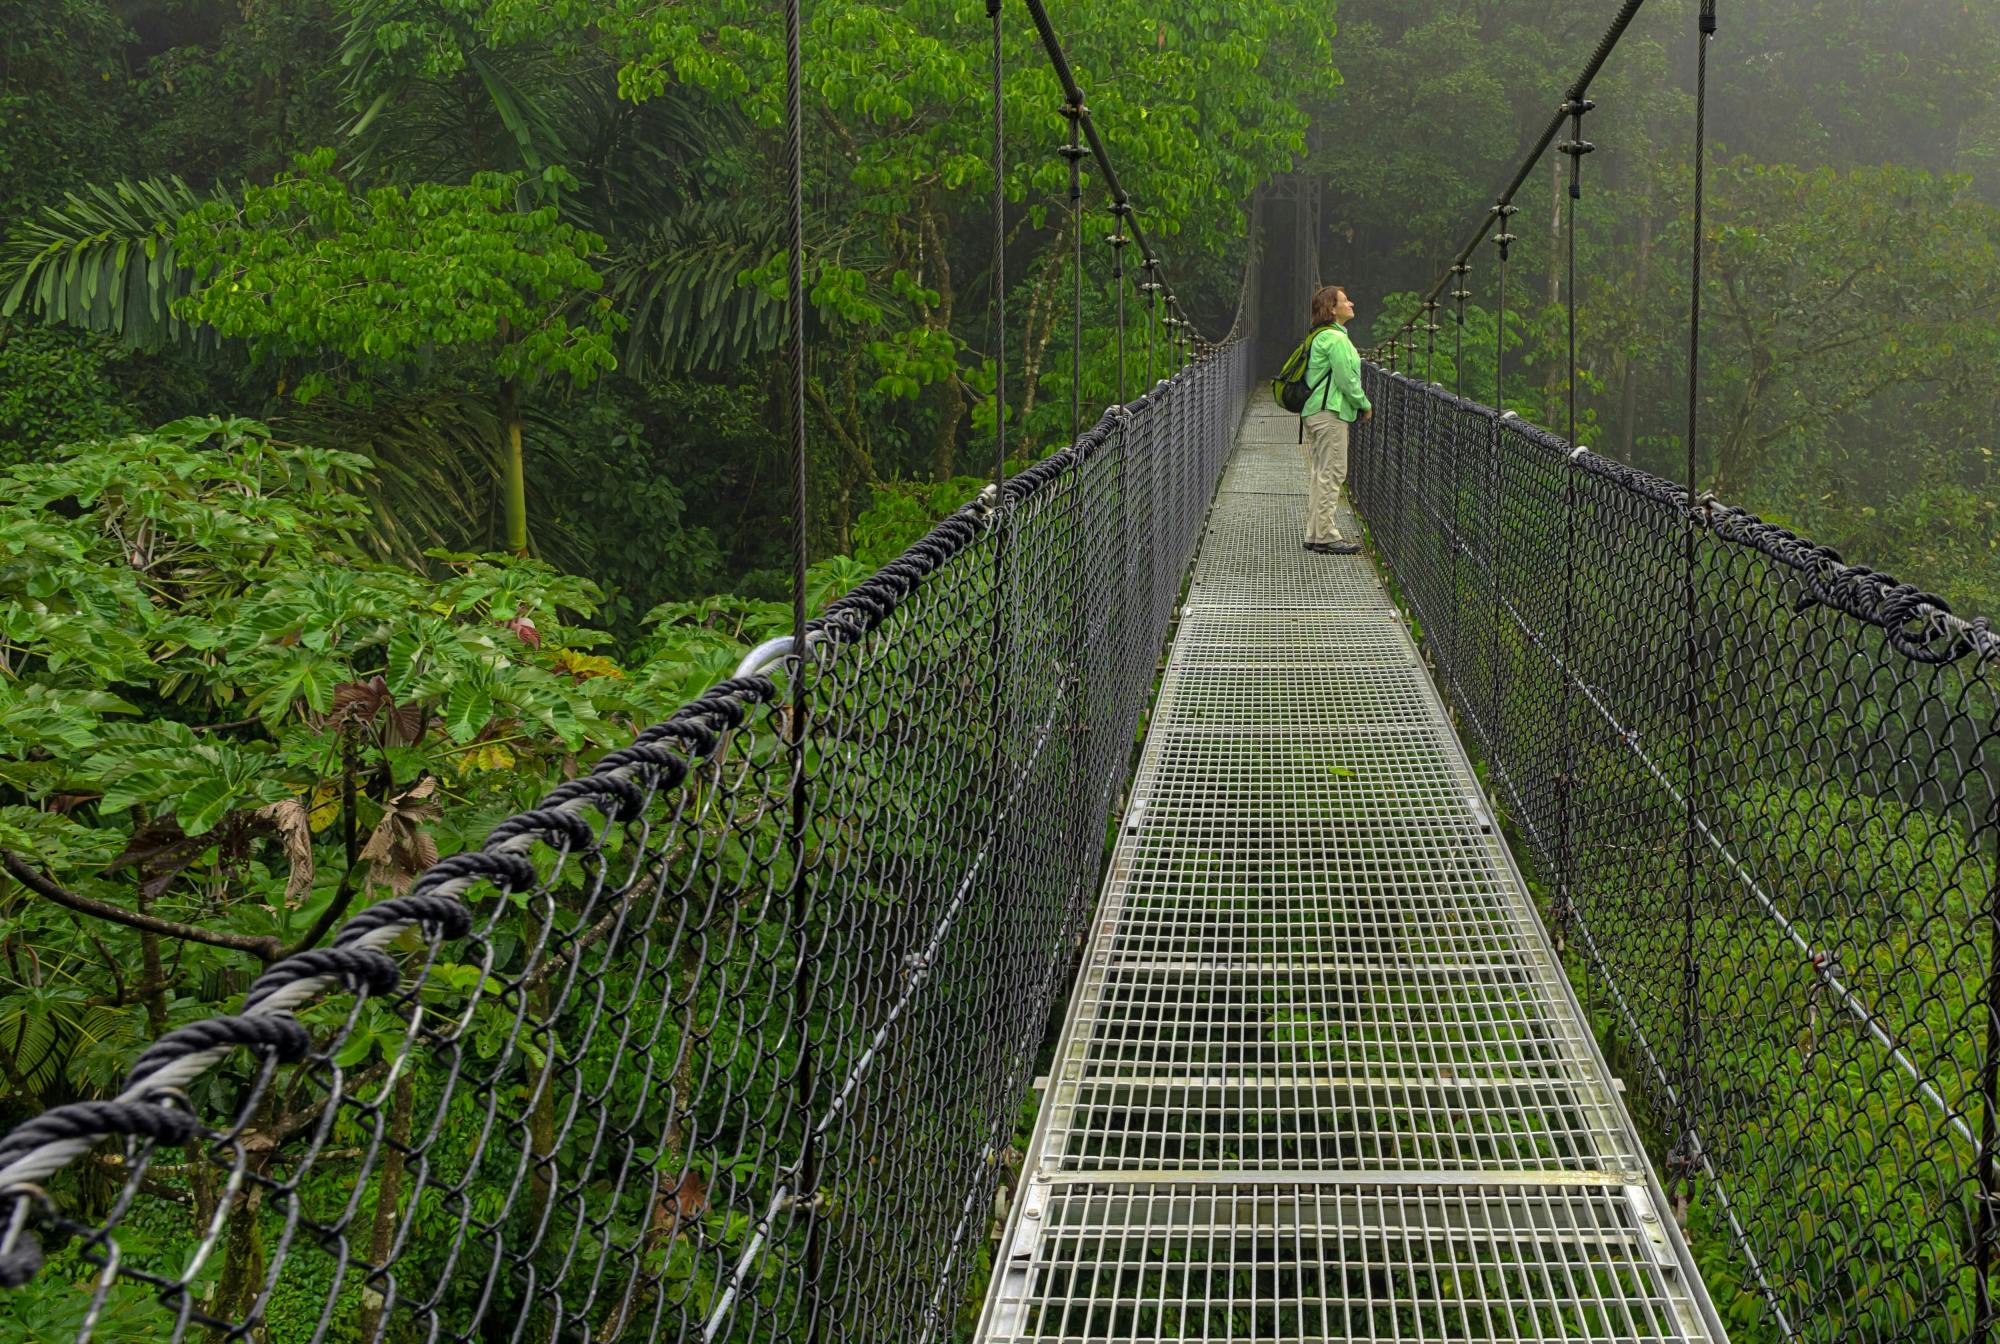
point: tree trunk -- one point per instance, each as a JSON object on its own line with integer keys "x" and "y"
{"x": 1556, "y": 253}
{"x": 542, "y": 1110}
{"x": 950, "y": 394}
{"x": 1735, "y": 449}
{"x": 1628, "y": 396}
{"x": 153, "y": 991}
{"x": 1036, "y": 347}
{"x": 514, "y": 477}
{"x": 388, "y": 1194}
{"x": 242, "y": 1265}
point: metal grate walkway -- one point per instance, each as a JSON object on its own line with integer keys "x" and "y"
{"x": 1322, "y": 1077}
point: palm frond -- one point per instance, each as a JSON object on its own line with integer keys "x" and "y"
{"x": 678, "y": 288}
{"x": 438, "y": 460}
{"x": 104, "y": 261}
{"x": 522, "y": 106}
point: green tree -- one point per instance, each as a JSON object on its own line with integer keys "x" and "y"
{"x": 310, "y": 270}
{"x": 1833, "y": 288}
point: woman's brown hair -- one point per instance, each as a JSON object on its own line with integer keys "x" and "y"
{"x": 1324, "y": 304}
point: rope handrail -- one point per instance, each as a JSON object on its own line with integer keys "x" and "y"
{"x": 1921, "y": 623}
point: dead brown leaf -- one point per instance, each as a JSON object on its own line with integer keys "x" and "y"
{"x": 293, "y": 821}
{"x": 400, "y": 847}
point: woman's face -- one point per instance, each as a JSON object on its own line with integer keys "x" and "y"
{"x": 1343, "y": 309}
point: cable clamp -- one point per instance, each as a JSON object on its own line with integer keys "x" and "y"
{"x": 1117, "y": 240}
{"x": 1577, "y": 452}
{"x": 1071, "y": 152}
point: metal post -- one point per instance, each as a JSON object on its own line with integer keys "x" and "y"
{"x": 1151, "y": 289}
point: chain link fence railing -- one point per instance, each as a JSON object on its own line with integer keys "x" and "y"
{"x": 730, "y": 1038}
{"x": 1759, "y": 790}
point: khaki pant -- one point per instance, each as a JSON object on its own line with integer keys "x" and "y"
{"x": 1325, "y": 451}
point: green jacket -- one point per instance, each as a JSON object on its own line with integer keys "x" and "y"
{"x": 1334, "y": 375}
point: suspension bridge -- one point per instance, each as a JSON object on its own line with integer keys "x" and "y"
{"x": 1574, "y": 918}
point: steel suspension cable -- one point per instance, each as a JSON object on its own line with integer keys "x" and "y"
{"x": 999, "y": 258}
{"x": 1073, "y": 151}
{"x": 1687, "y": 1148}
{"x": 1502, "y": 241}
{"x": 1565, "y": 898}
{"x": 1577, "y": 89}
{"x": 1073, "y": 95}
{"x": 802, "y": 906}
{"x": 1119, "y": 242}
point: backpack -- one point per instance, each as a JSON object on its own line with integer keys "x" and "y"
{"x": 1289, "y": 388}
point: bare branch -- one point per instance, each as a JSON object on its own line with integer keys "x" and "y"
{"x": 264, "y": 949}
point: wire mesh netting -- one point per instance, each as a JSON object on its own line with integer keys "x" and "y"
{"x": 727, "y": 1040}
{"x": 1760, "y": 790}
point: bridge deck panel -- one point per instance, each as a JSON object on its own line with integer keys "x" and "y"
{"x": 1322, "y": 1077}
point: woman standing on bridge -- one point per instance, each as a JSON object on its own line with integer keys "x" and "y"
{"x": 1335, "y": 401}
